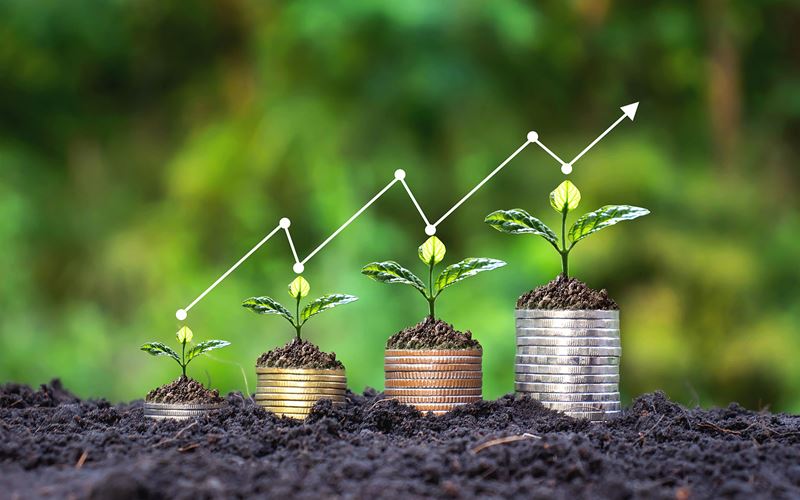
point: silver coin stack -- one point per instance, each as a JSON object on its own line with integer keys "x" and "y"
{"x": 569, "y": 360}
{"x": 160, "y": 411}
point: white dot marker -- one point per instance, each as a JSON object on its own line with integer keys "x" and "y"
{"x": 399, "y": 174}
{"x": 566, "y": 169}
{"x": 181, "y": 314}
{"x": 298, "y": 268}
{"x": 533, "y": 136}
{"x": 285, "y": 223}
{"x": 430, "y": 230}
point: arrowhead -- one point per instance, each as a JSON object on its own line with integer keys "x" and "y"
{"x": 630, "y": 110}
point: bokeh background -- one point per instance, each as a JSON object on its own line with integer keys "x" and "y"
{"x": 146, "y": 145}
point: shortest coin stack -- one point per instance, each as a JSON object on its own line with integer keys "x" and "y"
{"x": 160, "y": 411}
{"x": 569, "y": 360}
{"x": 435, "y": 380}
{"x": 292, "y": 392}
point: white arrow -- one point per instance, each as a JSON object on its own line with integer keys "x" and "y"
{"x": 628, "y": 111}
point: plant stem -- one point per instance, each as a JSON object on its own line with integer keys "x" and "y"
{"x": 431, "y": 297}
{"x": 183, "y": 358}
{"x": 297, "y": 324}
{"x": 564, "y": 251}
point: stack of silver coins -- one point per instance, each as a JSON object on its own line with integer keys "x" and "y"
{"x": 160, "y": 411}
{"x": 569, "y": 360}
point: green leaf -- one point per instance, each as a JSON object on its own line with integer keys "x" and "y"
{"x": 184, "y": 335}
{"x": 159, "y": 349}
{"x": 602, "y": 218}
{"x": 565, "y": 197}
{"x": 463, "y": 270}
{"x": 392, "y": 272}
{"x": 432, "y": 251}
{"x": 518, "y": 221}
{"x": 324, "y": 303}
{"x": 202, "y": 347}
{"x": 267, "y": 305}
{"x": 299, "y": 288}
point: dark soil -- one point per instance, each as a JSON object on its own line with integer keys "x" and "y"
{"x": 54, "y": 446}
{"x": 184, "y": 390}
{"x": 299, "y": 354}
{"x": 432, "y": 333}
{"x": 566, "y": 293}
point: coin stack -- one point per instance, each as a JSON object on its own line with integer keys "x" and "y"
{"x": 569, "y": 360}
{"x": 160, "y": 411}
{"x": 292, "y": 392}
{"x": 434, "y": 380}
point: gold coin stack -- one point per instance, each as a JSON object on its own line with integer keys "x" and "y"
{"x": 434, "y": 380}
{"x": 292, "y": 392}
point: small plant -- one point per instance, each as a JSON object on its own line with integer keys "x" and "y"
{"x": 298, "y": 289}
{"x": 431, "y": 253}
{"x": 563, "y": 199}
{"x": 185, "y": 337}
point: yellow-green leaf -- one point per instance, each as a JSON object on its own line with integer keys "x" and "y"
{"x": 432, "y": 251}
{"x": 602, "y": 218}
{"x": 299, "y": 288}
{"x": 185, "y": 335}
{"x": 565, "y": 197}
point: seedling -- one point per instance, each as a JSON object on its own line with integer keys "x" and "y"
{"x": 563, "y": 199}
{"x": 185, "y": 337}
{"x": 431, "y": 253}
{"x": 298, "y": 289}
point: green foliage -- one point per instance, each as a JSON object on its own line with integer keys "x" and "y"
{"x": 564, "y": 199}
{"x": 184, "y": 336}
{"x": 431, "y": 252}
{"x": 298, "y": 289}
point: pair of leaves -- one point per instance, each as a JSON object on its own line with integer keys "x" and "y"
{"x": 159, "y": 349}
{"x": 268, "y": 305}
{"x": 392, "y": 272}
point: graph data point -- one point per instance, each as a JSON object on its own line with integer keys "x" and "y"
{"x": 566, "y": 169}
{"x": 181, "y": 314}
{"x": 533, "y": 136}
{"x": 298, "y": 268}
{"x": 399, "y": 174}
{"x": 285, "y": 223}
{"x": 430, "y": 230}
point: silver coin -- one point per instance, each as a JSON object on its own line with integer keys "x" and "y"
{"x": 569, "y": 341}
{"x": 182, "y": 406}
{"x": 566, "y": 379}
{"x": 547, "y": 369}
{"x": 583, "y": 407}
{"x": 588, "y": 397}
{"x": 567, "y": 323}
{"x": 594, "y": 416}
{"x": 524, "y": 350}
{"x": 564, "y": 388}
{"x": 566, "y": 314}
{"x": 567, "y": 332}
{"x": 567, "y": 360}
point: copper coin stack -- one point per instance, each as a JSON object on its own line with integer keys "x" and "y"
{"x": 434, "y": 380}
{"x": 292, "y": 392}
{"x": 161, "y": 411}
{"x": 569, "y": 360}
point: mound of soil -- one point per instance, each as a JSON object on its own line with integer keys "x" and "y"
{"x": 375, "y": 448}
{"x": 432, "y": 333}
{"x": 184, "y": 390}
{"x": 299, "y": 354}
{"x": 566, "y": 293}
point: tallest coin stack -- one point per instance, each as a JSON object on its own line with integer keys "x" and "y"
{"x": 569, "y": 360}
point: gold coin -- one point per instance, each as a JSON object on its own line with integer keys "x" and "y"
{"x": 302, "y": 378}
{"x": 297, "y": 397}
{"x": 433, "y": 352}
{"x": 436, "y": 407}
{"x": 433, "y": 384}
{"x": 261, "y": 389}
{"x": 298, "y": 384}
{"x": 437, "y": 399}
{"x": 477, "y": 391}
{"x": 269, "y": 403}
{"x": 431, "y": 367}
{"x": 299, "y": 371}
{"x": 434, "y": 375}
{"x": 432, "y": 360}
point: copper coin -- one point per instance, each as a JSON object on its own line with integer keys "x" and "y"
{"x": 434, "y": 375}
{"x": 434, "y": 392}
{"x": 430, "y": 360}
{"x": 434, "y": 352}
{"x": 437, "y": 399}
{"x": 431, "y": 367}
{"x": 433, "y": 384}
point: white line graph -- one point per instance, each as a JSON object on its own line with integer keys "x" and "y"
{"x": 628, "y": 111}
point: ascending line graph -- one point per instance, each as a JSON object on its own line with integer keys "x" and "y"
{"x": 284, "y": 224}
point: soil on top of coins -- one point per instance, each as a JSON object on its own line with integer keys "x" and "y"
{"x": 299, "y": 353}
{"x": 431, "y": 333}
{"x": 54, "y": 445}
{"x": 566, "y": 293}
{"x": 184, "y": 390}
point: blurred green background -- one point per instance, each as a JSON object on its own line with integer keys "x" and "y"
{"x": 146, "y": 145}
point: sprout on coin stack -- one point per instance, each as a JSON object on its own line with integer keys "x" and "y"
{"x": 568, "y": 343}
{"x": 292, "y": 378}
{"x": 431, "y": 365}
{"x": 184, "y": 397}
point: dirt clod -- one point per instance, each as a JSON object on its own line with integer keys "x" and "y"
{"x": 432, "y": 333}
{"x": 299, "y": 353}
{"x": 183, "y": 390}
{"x": 566, "y": 293}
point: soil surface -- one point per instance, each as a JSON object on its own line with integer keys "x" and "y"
{"x": 184, "y": 390}
{"x": 432, "y": 333}
{"x": 54, "y": 446}
{"x": 299, "y": 354}
{"x": 566, "y": 293}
